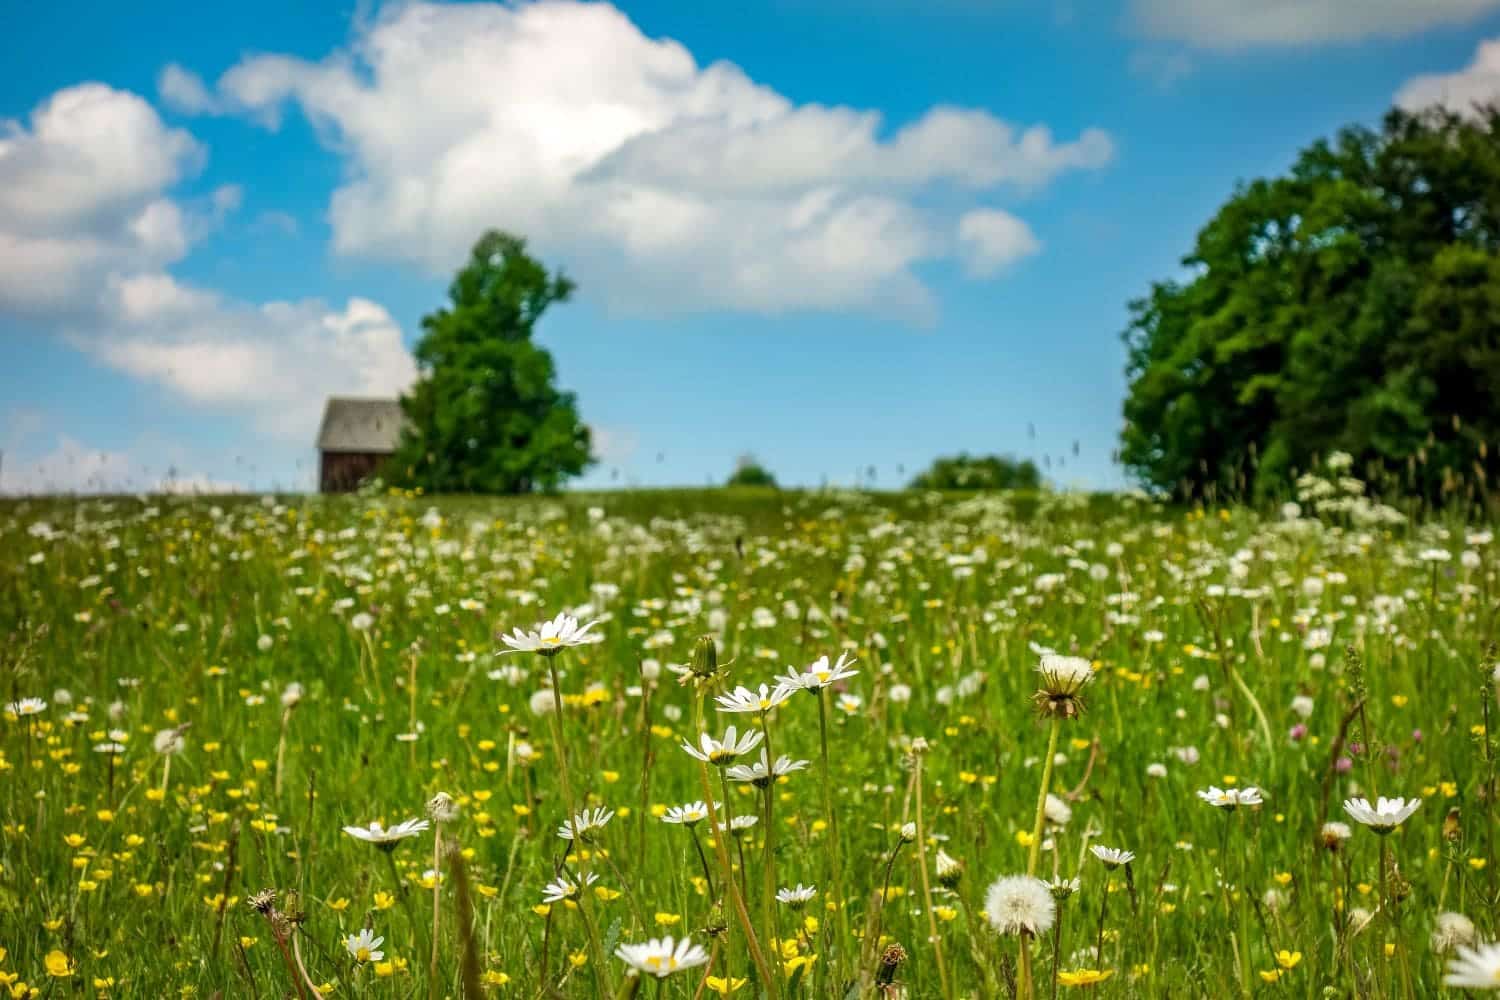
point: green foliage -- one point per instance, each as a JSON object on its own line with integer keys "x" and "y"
{"x": 749, "y": 472}
{"x": 984, "y": 472}
{"x": 1353, "y": 304}
{"x": 485, "y": 415}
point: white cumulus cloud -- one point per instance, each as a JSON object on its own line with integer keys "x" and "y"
{"x": 992, "y": 240}
{"x": 663, "y": 184}
{"x": 1475, "y": 85}
{"x": 81, "y": 195}
{"x": 1239, "y": 23}
{"x": 88, "y": 226}
{"x": 275, "y": 362}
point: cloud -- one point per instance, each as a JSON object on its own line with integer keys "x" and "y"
{"x": 662, "y": 184}
{"x": 70, "y": 466}
{"x": 1228, "y": 24}
{"x": 992, "y": 240}
{"x": 1163, "y": 67}
{"x": 1476, "y": 84}
{"x": 183, "y": 90}
{"x": 275, "y": 363}
{"x": 81, "y": 196}
{"x": 87, "y": 228}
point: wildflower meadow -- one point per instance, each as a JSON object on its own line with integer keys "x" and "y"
{"x": 747, "y": 743}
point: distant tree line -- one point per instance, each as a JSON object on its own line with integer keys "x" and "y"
{"x": 1351, "y": 305}
{"x": 979, "y": 472}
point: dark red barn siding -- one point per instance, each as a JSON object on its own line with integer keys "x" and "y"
{"x": 344, "y": 472}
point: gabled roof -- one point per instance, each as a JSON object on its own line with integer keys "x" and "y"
{"x": 362, "y": 425}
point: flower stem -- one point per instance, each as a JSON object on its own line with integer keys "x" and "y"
{"x": 585, "y": 908}
{"x": 836, "y": 854}
{"x": 1034, "y": 855}
{"x": 932, "y": 929}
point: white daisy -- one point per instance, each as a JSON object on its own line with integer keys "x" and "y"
{"x": 687, "y": 815}
{"x": 26, "y": 706}
{"x": 386, "y": 838}
{"x": 1475, "y": 968}
{"x": 1112, "y": 857}
{"x": 742, "y": 699}
{"x": 722, "y": 753}
{"x": 585, "y": 824}
{"x": 551, "y": 638}
{"x": 660, "y": 957}
{"x": 820, "y": 674}
{"x": 1230, "y": 798}
{"x": 761, "y": 773}
{"x": 1384, "y": 816}
{"x": 796, "y": 898}
{"x": 563, "y": 887}
{"x": 364, "y": 946}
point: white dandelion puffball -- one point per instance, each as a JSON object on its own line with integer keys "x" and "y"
{"x": 1017, "y": 903}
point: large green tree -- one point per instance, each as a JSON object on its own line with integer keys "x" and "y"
{"x": 485, "y": 415}
{"x": 1351, "y": 305}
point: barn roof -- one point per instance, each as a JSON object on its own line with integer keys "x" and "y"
{"x": 362, "y": 425}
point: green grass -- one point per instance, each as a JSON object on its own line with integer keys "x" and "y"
{"x": 133, "y": 871}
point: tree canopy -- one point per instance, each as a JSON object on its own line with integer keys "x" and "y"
{"x": 485, "y": 415}
{"x": 1351, "y": 305}
{"x": 982, "y": 472}
{"x": 749, "y": 472}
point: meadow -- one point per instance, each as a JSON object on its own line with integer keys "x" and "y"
{"x": 778, "y": 744}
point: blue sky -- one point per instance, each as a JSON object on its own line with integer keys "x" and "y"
{"x": 834, "y": 234}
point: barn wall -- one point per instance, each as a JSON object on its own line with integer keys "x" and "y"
{"x": 342, "y": 472}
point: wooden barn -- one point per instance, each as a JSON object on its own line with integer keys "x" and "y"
{"x": 356, "y": 436}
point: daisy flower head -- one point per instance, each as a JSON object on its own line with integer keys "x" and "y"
{"x": 1112, "y": 857}
{"x": 1231, "y": 798}
{"x": 686, "y": 815}
{"x": 820, "y": 674}
{"x": 660, "y": 957}
{"x": 722, "y": 753}
{"x": 26, "y": 706}
{"x": 563, "y": 888}
{"x": 1476, "y": 968}
{"x": 386, "y": 838}
{"x": 798, "y": 897}
{"x": 585, "y": 825}
{"x": 1017, "y": 904}
{"x": 1384, "y": 816}
{"x": 742, "y": 699}
{"x": 1062, "y": 887}
{"x": 739, "y": 825}
{"x": 364, "y": 946}
{"x": 1063, "y": 679}
{"x": 551, "y": 638}
{"x": 761, "y": 773}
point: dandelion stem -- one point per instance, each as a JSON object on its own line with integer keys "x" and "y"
{"x": 437, "y": 893}
{"x": 1034, "y": 854}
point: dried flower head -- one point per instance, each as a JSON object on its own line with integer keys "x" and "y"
{"x": 1063, "y": 681}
